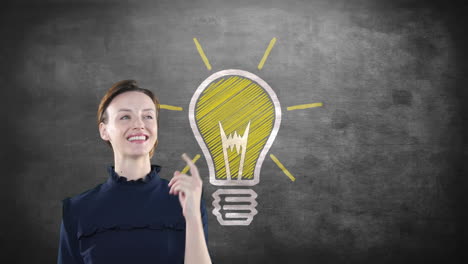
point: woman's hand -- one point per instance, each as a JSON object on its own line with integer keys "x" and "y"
{"x": 189, "y": 189}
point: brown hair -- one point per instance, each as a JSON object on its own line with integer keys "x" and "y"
{"x": 119, "y": 88}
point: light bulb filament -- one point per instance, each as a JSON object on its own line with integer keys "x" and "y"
{"x": 231, "y": 141}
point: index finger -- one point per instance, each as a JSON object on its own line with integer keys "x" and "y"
{"x": 191, "y": 164}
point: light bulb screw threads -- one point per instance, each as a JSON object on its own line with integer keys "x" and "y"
{"x": 228, "y": 202}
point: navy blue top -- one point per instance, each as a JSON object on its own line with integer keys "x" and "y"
{"x": 125, "y": 221}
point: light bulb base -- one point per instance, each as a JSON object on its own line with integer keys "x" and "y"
{"x": 234, "y": 207}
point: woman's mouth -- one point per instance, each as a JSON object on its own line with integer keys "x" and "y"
{"x": 138, "y": 139}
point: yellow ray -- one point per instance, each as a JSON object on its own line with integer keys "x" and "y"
{"x": 171, "y": 107}
{"x": 186, "y": 169}
{"x": 282, "y": 167}
{"x": 304, "y": 106}
{"x": 267, "y": 52}
{"x": 202, "y": 54}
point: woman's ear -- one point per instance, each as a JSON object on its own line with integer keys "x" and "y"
{"x": 103, "y": 131}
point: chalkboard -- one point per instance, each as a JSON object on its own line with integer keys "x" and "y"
{"x": 367, "y": 163}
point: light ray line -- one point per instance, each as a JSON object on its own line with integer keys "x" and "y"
{"x": 186, "y": 169}
{"x": 202, "y": 54}
{"x": 282, "y": 167}
{"x": 171, "y": 107}
{"x": 267, "y": 52}
{"x": 304, "y": 106}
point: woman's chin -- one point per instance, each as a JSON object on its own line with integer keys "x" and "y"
{"x": 137, "y": 154}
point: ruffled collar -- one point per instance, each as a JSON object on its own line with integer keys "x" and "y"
{"x": 116, "y": 179}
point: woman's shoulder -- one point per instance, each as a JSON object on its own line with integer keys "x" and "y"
{"x": 83, "y": 198}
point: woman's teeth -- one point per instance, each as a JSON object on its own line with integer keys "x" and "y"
{"x": 137, "y": 138}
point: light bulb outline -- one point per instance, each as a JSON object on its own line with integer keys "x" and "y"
{"x": 201, "y": 142}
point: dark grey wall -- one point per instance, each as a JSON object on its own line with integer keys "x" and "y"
{"x": 380, "y": 171}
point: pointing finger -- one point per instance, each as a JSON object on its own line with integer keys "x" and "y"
{"x": 193, "y": 168}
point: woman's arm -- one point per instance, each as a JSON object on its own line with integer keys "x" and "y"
{"x": 189, "y": 190}
{"x": 68, "y": 252}
{"x": 196, "y": 250}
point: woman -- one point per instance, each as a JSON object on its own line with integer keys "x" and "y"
{"x": 135, "y": 216}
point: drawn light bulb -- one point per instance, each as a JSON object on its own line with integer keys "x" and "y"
{"x": 235, "y": 117}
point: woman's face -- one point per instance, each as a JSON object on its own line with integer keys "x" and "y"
{"x": 129, "y": 114}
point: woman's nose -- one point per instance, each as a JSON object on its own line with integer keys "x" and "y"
{"x": 138, "y": 122}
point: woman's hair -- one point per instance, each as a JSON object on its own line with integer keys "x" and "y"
{"x": 122, "y": 87}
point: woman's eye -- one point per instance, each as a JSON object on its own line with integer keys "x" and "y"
{"x": 123, "y": 117}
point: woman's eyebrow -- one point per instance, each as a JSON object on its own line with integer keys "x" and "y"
{"x": 128, "y": 110}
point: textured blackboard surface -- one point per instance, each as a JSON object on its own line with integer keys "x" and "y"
{"x": 380, "y": 168}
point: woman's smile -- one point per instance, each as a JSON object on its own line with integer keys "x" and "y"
{"x": 138, "y": 139}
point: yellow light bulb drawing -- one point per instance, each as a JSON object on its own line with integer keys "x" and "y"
{"x": 235, "y": 117}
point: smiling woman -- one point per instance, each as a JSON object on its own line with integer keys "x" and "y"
{"x": 137, "y": 93}
{"x": 135, "y": 216}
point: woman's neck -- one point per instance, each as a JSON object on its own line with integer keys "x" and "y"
{"x": 132, "y": 169}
